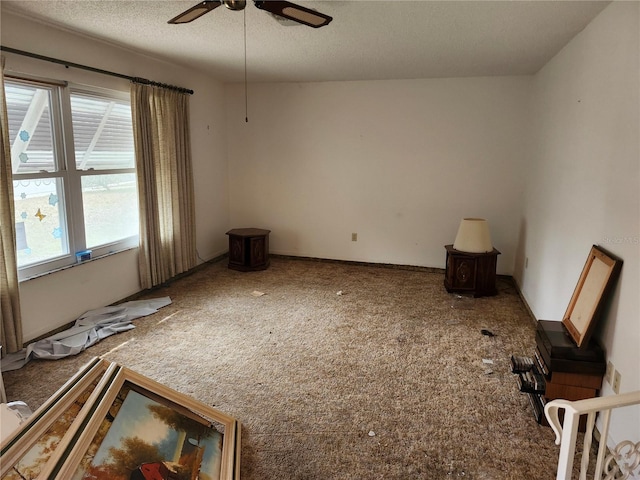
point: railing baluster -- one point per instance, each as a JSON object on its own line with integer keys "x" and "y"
{"x": 602, "y": 448}
{"x": 586, "y": 445}
{"x": 568, "y": 445}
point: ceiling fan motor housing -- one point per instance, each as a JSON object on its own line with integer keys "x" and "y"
{"x": 234, "y": 4}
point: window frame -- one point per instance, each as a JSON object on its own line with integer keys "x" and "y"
{"x": 69, "y": 176}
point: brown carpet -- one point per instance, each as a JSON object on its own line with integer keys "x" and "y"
{"x": 385, "y": 381}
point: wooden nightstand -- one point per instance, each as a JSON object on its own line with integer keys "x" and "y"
{"x": 248, "y": 249}
{"x": 471, "y": 272}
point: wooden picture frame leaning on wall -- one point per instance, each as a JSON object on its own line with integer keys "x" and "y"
{"x": 596, "y": 280}
{"x": 129, "y": 418}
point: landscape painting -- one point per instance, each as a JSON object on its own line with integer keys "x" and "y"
{"x": 142, "y": 439}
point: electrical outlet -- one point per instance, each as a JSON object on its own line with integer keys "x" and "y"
{"x": 608, "y": 376}
{"x": 616, "y": 381}
{"x": 354, "y": 237}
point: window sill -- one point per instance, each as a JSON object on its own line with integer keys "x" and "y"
{"x": 66, "y": 267}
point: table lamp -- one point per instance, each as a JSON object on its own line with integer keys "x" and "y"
{"x": 473, "y": 236}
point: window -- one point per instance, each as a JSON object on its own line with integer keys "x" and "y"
{"x": 74, "y": 173}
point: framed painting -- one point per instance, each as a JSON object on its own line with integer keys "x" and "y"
{"x": 27, "y": 451}
{"x": 597, "y": 277}
{"x": 142, "y": 429}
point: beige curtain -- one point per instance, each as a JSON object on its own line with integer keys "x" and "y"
{"x": 165, "y": 182}
{"x": 11, "y": 323}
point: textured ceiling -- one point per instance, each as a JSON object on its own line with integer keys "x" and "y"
{"x": 367, "y": 40}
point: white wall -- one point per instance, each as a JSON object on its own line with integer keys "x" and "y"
{"x": 583, "y": 185}
{"x": 51, "y": 301}
{"x": 397, "y": 162}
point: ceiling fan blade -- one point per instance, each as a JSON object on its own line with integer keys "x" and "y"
{"x": 294, "y": 12}
{"x": 195, "y": 12}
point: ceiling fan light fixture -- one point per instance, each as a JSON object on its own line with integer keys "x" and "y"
{"x": 195, "y": 12}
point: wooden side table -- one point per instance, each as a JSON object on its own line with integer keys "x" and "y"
{"x": 248, "y": 249}
{"x": 471, "y": 272}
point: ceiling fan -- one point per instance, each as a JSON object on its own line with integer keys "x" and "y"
{"x": 288, "y": 10}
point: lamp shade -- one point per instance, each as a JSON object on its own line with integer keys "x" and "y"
{"x": 473, "y": 236}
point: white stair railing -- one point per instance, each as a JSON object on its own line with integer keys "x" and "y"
{"x": 622, "y": 462}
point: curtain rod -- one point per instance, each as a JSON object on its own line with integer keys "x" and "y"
{"x": 96, "y": 70}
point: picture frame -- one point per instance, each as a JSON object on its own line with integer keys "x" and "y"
{"x": 155, "y": 428}
{"x": 27, "y": 451}
{"x": 598, "y": 275}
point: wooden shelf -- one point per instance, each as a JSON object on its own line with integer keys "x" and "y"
{"x": 570, "y": 373}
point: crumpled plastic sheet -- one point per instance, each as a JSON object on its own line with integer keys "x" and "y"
{"x": 89, "y": 329}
